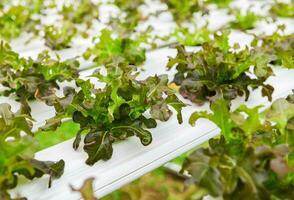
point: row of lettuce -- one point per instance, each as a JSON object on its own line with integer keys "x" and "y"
{"x": 80, "y": 18}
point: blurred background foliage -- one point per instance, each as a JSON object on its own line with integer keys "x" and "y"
{"x": 156, "y": 185}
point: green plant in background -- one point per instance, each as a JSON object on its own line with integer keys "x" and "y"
{"x": 58, "y": 38}
{"x": 129, "y": 18}
{"x": 115, "y": 112}
{"x": 77, "y": 18}
{"x": 15, "y": 21}
{"x": 29, "y": 79}
{"x": 192, "y": 38}
{"x": 219, "y": 3}
{"x": 253, "y": 157}
{"x": 244, "y": 21}
{"x": 73, "y": 16}
{"x": 25, "y": 17}
{"x": 154, "y": 185}
{"x": 81, "y": 12}
{"x": 183, "y": 10}
{"x": 217, "y": 71}
{"x": 278, "y": 45}
{"x": 17, "y": 148}
{"x": 108, "y": 48}
{"x": 281, "y": 9}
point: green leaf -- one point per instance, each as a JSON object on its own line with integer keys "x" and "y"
{"x": 222, "y": 41}
{"x": 58, "y": 38}
{"x": 280, "y": 112}
{"x": 34, "y": 79}
{"x": 276, "y": 47}
{"x": 54, "y": 169}
{"x": 244, "y": 21}
{"x": 174, "y": 102}
{"x": 108, "y": 48}
{"x": 290, "y": 97}
{"x": 16, "y": 19}
{"x": 195, "y": 38}
{"x": 144, "y": 135}
{"x": 220, "y": 116}
{"x": 161, "y": 112}
{"x": 116, "y": 111}
{"x": 98, "y": 146}
{"x": 251, "y": 122}
{"x": 82, "y": 12}
{"x": 267, "y": 91}
{"x": 218, "y": 71}
{"x": 17, "y": 152}
{"x": 183, "y": 10}
{"x": 261, "y": 60}
{"x": 282, "y": 9}
{"x": 253, "y": 157}
{"x": 149, "y": 123}
{"x": 203, "y": 174}
{"x": 198, "y": 115}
